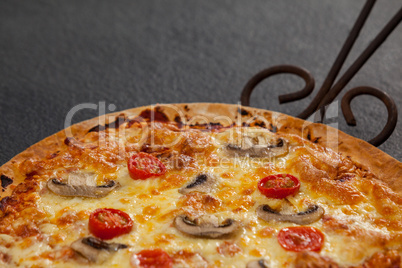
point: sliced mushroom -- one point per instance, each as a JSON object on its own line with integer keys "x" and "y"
{"x": 312, "y": 214}
{"x": 258, "y": 264}
{"x": 203, "y": 183}
{"x": 206, "y": 226}
{"x": 94, "y": 249}
{"x": 84, "y": 190}
{"x": 258, "y": 146}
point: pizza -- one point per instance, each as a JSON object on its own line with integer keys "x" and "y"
{"x": 201, "y": 185}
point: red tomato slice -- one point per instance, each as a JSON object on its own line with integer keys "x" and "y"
{"x": 151, "y": 258}
{"x": 142, "y": 166}
{"x": 301, "y": 238}
{"x": 107, "y": 223}
{"x": 279, "y": 186}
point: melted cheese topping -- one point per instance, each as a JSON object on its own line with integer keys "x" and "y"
{"x": 350, "y": 234}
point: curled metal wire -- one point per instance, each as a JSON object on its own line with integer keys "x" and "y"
{"x": 385, "y": 98}
{"x": 330, "y": 90}
{"x": 280, "y": 69}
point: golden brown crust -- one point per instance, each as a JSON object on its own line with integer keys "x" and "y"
{"x": 367, "y": 157}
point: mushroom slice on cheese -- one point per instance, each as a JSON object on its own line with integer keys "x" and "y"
{"x": 207, "y": 226}
{"x": 258, "y": 144}
{"x": 204, "y": 183}
{"x": 257, "y": 264}
{"x": 83, "y": 185}
{"x": 312, "y": 214}
{"x": 94, "y": 249}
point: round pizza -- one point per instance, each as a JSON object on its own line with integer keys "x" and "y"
{"x": 201, "y": 185}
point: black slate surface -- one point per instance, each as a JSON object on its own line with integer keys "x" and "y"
{"x": 55, "y": 55}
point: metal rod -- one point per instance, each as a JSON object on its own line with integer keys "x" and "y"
{"x": 336, "y": 67}
{"x": 361, "y": 60}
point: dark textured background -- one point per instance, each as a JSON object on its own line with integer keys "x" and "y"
{"x": 57, "y": 54}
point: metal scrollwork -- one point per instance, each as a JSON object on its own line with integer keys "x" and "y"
{"x": 385, "y": 98}
{"x": 331, "y": 89}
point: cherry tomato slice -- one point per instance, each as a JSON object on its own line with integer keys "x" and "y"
{"x": 142, "y": 166}
{"x": 279, "y": 186}
{"x": 151, "y": 258}
{"x": 301, "y": 238}
{"x": 107, "y": 223}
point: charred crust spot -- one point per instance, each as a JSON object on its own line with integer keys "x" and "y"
{"x": 97, "y": 128}
{"x": 345, "y": 177}
{"x": 260, "y": 124}
{"x": 120, "y": 119}
{"x": 53, "y": 155}
{"x": 131, "y": 122}
{"x": 154, "y": 115}
{"x": 68, "y": 141}
{"x": 243, "y": 112}
{"x": 5, "y": 181}
{"x": 279, "y": 144}
{"x": 309, "y": 136}
{"x": 177, "y": 119}
{"x": 31, "y": 174}
{"x": 208, "y": 126}
{"x": 213, "y": 125}
{"x": 146, "y": 148}
{"x": 4, "y": 203}
{"x": 186, "y": 108}
{"x": 316, "y": 140}
{"x": 71, "y": 141}
{"x": 273, "y": 128}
